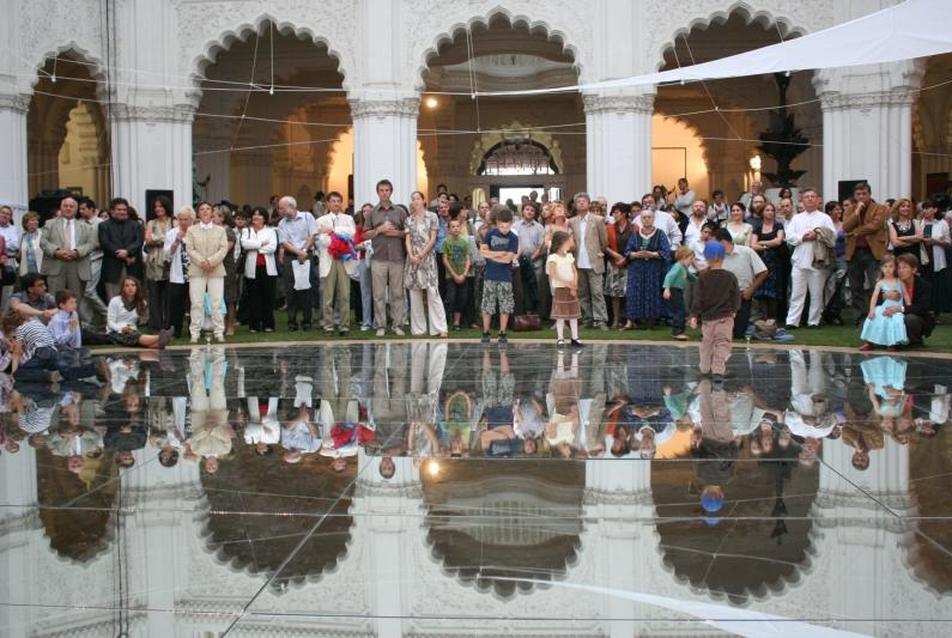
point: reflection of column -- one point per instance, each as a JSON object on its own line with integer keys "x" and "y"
{"x": 152, "y": 149}
{"x": 13, "y": 163}
{"x": 388, "y": 516}
{"x": 620, "y": 539}
{"x": 385, "y": 139}
{"x": 614, "y": 122}
{"x": 867, "y": 126}
{"x": 19, "y": 532}
{"x": 155, "y": 533}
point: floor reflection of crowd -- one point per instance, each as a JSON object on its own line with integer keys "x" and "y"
{"x": 451, "y": 400}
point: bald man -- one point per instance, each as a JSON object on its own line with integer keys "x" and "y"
{"x": 66, "y": 243}
{"x": 296, "y": 232}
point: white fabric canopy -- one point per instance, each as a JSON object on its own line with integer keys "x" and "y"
{"x": 912, "y": 29}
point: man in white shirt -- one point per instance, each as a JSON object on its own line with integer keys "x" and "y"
{"x": 801, "y": 232}
{"x": 663, "y": 221}
{"x": 696, "y": 221}
{"x": 685, "y": 199}
{"x": 335, "y": 273}
{"x": 751, "y": 273}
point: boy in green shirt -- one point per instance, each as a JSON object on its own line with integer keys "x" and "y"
{"x": 457, "y": 262}
{"x": 674, "y": 283}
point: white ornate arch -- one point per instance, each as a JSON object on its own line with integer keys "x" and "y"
{"x": 559, "y": 20}
{"x": 208, "y": 28}
{"x": 667, "y": 26}
{"x": 485, "y": 142}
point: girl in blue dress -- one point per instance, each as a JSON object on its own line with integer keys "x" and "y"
{"x": 882, "y": 328}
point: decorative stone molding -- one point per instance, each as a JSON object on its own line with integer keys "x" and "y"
{"x": 406, "y": 107}
{"x": 17, "y": 102}
{"x": 180, "y": 113}
{"x": 206, "y": 28}
{"x": 514, "y": 130}
{"x": 618, "y": 103}
{"x": 667, "y": 25}
{"x": 436, "y": 22}
{"x": 866, "y": 102}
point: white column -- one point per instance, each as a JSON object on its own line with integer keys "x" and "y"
{"x": 152, "y": 149}
{"x": 618, "y": 145}
{"x": 13, "y": 167}
{"x": 385, "y": 142}
{"x": 867, "y": 126}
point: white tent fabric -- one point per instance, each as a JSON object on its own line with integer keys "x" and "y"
{"x": 912, "y": 29}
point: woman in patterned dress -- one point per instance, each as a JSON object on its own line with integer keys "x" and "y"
{"x": 768, "y": 240}
{"x": 649, "y": 255}
{"x": 420, "y": 274}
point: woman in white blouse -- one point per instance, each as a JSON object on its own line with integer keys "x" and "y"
{"x": 933, "y": 255}
{"x": 126, "y": 311}
{"x": 177, "y": 256}
{"x": 259, "y": 242}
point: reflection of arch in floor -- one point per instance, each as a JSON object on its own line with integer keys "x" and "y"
{"x": 748, "y": 555}
{"x": 83, "y": 530}
{"x": 492, "y": 524}
{"x": 294, "y": 497}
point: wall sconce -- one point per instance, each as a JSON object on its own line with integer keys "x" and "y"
{"x": 431, "y": 102}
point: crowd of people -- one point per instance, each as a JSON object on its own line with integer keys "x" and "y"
{"x": 441, "y": 265}
{"x": 402, "y": 399}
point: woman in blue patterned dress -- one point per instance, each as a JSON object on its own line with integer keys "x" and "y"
{"x": 649, "y": 255}
{"x": 768, "y": 241}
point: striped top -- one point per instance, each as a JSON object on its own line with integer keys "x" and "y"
{"x": 34, "y": 334}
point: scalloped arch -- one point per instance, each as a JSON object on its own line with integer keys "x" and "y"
{"x": 515, "y": 19}
{"x": 720, "y": 16}
{"x": 227, "y": 38}
{"x": 97, "y": 69}
{"x": 695, "y": 128}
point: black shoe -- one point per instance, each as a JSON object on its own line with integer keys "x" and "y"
{"x": 503, "y": 338}
{"x": 486, "y": 338}
{"x": 577, "y": 344}
{"x": 292, "y": 327}
{"x": 305, "y": 327}
{"x": 343, "y": 332}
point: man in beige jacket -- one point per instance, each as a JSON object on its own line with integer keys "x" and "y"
{"x": 591, "y": 240}
{"x": 207, "y": 245}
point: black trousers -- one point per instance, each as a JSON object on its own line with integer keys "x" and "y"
{"x": 158, "y": 304}
{"x": 261, "y": 299}
{"x": 457, "y": 296}
{"x": 741, "y": 319}
{"x": 678, "y": 312}
{"x": 178, "y": 302}
{"x": 298, "y": 300}
{"x": 861, "y": 267}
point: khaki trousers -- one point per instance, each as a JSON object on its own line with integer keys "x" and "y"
{"x": 215, "y": 286}
{"x": 716, "y": 335}
{"x": 336, "y": 283}
{"x": 388, "y": 274}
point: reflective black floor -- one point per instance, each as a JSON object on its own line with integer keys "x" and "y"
{"x": 451, "y": 490}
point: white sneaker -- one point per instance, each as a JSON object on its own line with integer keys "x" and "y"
{"x": 397, "y": 330}
{"x": 381, "y": 332}
{"x": 219, "y": 338}
{"x": 365, "y": 328}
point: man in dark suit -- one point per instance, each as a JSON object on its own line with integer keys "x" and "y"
{"x": 121, "y": 239}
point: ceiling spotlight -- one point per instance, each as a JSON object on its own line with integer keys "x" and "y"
{"x": 432, "y": 102}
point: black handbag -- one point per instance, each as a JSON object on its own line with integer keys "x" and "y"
{"x": 9, "y": 276}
